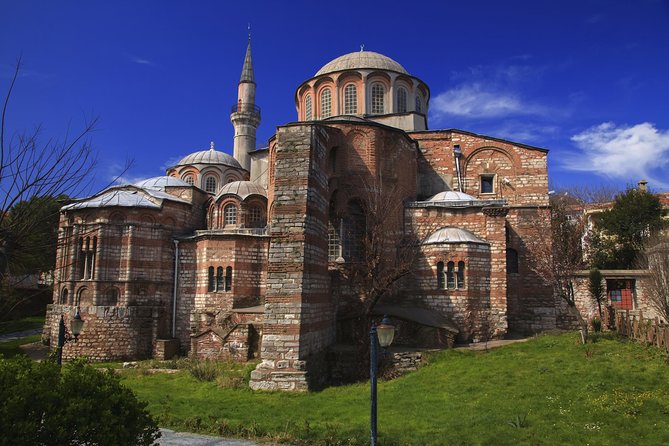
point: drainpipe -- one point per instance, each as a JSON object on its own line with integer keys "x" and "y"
{"x": 176, "y": 282}
{"x": 458, "y": 153}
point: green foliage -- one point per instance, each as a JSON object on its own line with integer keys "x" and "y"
{"x": 520, "y": 422}
{"x": 460, "y": 397}
{"x": 634, "y": 216}
{"x": 30, "y": 235}
{"x": 203, "y": 370}
{"x": 596, "y": 289}
{"x": 41, "y": 405}
{"x": 27, "y": 323}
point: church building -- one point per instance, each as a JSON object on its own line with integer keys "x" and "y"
{"x": 253, "y": 255}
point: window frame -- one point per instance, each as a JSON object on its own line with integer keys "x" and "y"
{"x": 230, "y": 218}
{"x": 377, "y": 98}
{"x": 487, "y": 176}
{"x": 308, "y": 108}
{"x": 401, "y": 100}
{"x": 350, "y": 99}
{"x": 323, "y": 98}
{"x": 207, "y": 180}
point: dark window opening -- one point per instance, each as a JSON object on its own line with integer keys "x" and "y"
{"x": 511, "y": 261}
{"x": 487, "y": 184}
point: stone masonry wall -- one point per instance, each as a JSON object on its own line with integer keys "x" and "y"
{"x": 109, "y": 333}
{"x": 299, "y": 315}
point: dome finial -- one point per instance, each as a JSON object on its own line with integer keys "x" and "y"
{"x": 362, "y": 47}
{"x": 211, "y": 145}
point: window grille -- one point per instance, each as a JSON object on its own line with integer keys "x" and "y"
{"x": 230, "y": 214}
{"x": 326, "y": 104}
{"x": 350, "y": 100}
{"x": 401, "y": 100}
{"x": 308, "y": 109}
{"x": 378, "y": 91}
{"x": 210, "y": 185}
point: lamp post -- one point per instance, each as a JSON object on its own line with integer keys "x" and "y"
{"x": 64, "y": 337}
{"x": 382, "y": 334}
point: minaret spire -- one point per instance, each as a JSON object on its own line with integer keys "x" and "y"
{"x": 245, "y": 116}
{"x": 247, "y": 69}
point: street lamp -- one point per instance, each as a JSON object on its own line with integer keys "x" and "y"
{"x": 382, "y": 334}
{"x": 64, "y": 337}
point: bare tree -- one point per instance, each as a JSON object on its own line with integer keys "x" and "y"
{"x": 33, "y": 168}
{"x": 589, "y": 193}
{"x": 555, "y": 258}
{"x": 657, "y": 256}
{"x": 386, "y": 254}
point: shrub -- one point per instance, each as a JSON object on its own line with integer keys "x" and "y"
{"x": 42, "y": 405}
{"x": 203, "y": 370}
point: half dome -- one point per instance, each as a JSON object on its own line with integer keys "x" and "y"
{"x": 452, "y": 196}
{"x": 453, "y": 235}
{"x": 159, "y": 183}
{"x": 359, "y": 60}
{"x": 242, "y": 189}
{"x": 209, "y": 157}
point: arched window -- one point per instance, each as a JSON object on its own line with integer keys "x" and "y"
{"x": 63, "y": 296}
{"x": 87, "y": 249}
{"x": 211, "y": 283}
{"x": 401, "y": 100}
{"x": 256, "y": 219}
{"x": 189, "y": 179}
{"x": 308, "y": 109}
{"x": 419, "y": 104}
{"x": 440, "y": 276}
{"x": 230, "y": 214}
{"x": 228, "y": 278}
{"x": 350, "y": 100}
{"x": 461, "y": 275}
{"x": 511, "y": 261}
{"x": 326, "y": 104}
{"x": 378, "y": 92}
{"x": 210, "y": 184}
{"x": 219, "y": 278}
{"x": 450, "y": 275}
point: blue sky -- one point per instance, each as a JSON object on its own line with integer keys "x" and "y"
{"x": 587, "y": 79}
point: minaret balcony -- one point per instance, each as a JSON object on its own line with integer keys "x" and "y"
{"x": 251, "y": 109}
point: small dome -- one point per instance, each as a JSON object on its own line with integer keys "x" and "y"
{"x": 209, "y": 157}
{"x": 452, "y": 196}
{"x": 453, "y": 235}
{"x": 242, "y": 189}
{"x": 159, "y": 183}
{"x": 362, "y": 59}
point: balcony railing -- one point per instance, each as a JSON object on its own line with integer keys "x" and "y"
{"x": 245, "y": 108}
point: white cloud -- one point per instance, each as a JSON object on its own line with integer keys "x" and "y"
{"x": 141, "y": 61}
{"x": 631, "y": 153}
{"x": 476, "y": 101}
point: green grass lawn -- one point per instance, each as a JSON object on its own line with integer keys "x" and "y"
{"x": 547, "y": 391}
{"x": 10, "y": 349}
{"x": 27, "y": 323}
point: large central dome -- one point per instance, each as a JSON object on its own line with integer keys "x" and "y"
{"x": 361, "y": 59}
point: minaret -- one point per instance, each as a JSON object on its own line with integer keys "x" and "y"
{"x": 245, "y": 116}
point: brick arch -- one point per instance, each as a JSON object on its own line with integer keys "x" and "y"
{"x": 499, "y": 162}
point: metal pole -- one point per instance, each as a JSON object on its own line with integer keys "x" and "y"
{"x": 61, "y": 341}
{"x": 372, "y": 375}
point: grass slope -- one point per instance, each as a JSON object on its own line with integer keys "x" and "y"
{"x": 547, "y": 391}
{"x": 27, "y": 323}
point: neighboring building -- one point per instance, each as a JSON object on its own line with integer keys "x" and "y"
{"x": 626, "y": 289}
{"x": 238, "y": 256}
